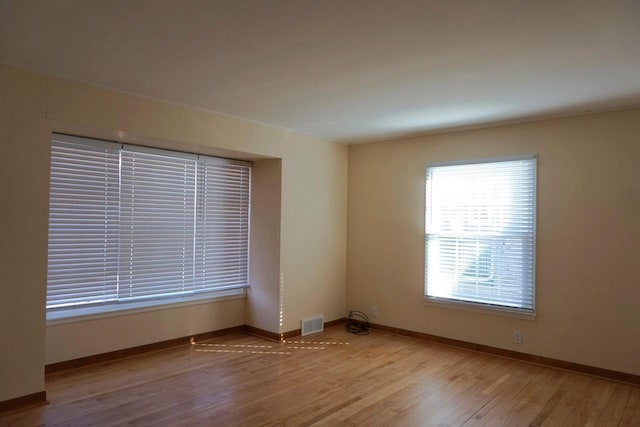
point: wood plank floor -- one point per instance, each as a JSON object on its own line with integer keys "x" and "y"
{"x": 331, "y": 379}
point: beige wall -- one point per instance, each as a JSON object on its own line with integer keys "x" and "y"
{"x": 32, "y": 106}
{"x": 263, "y": 302}
{"x": 69, "y": 340}
{"x": 588, "y": 237}
{"x": 311, "y": 232}
{"x": 24, "y": 178}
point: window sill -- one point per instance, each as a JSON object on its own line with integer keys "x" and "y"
{"x": 100, "y": 312}
{"x": 479, "y": 308}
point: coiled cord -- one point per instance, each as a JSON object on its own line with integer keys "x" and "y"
{"x": 357, "y": 323}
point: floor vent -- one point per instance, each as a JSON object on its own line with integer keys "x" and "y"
{"x": 311, "y": 325}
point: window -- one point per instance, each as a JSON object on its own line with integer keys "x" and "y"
{"x": 130, "y": 224}
{"x": 480, "y": 233}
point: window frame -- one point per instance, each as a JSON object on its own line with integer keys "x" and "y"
{"x": 70, "y": 313}
{"x": 474, "y": 306}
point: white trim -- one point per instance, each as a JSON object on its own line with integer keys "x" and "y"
{"x": 535, "y": 230}
{"x": 224, "y": 160}
{"x": 104, "y": 311}
{"x": 158, "y": 152}
{"x": 85, "y": 142}
{"x": 480, "y": 161}
{"x": 106, "y": 143}
{"x": 479, "y": 308}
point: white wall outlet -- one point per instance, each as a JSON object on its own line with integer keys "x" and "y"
{"x": 374, "y": 311}
{"x": 517, "y": 336}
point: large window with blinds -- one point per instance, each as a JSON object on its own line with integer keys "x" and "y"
{"x": 135, "y": 225}
{"x": 480, "y": 233}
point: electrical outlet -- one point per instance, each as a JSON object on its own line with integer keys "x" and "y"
{"x": 374, "y": 311}
{"x": 517, "y": 336}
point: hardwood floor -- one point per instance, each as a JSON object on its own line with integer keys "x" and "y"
{"x": 329, "y": 379}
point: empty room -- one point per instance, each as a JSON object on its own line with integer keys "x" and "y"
{"x": 320, "y": 212}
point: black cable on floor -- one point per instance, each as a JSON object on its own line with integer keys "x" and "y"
{"x": 357, "y": 323}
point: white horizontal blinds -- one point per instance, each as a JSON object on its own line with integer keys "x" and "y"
{"x": 480, "y": 221}
{"x": 157, "y": 223}
{"x": 83, "y": 222}
{"x": 129, "y": 223}
{"x": 223, "y": 224}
